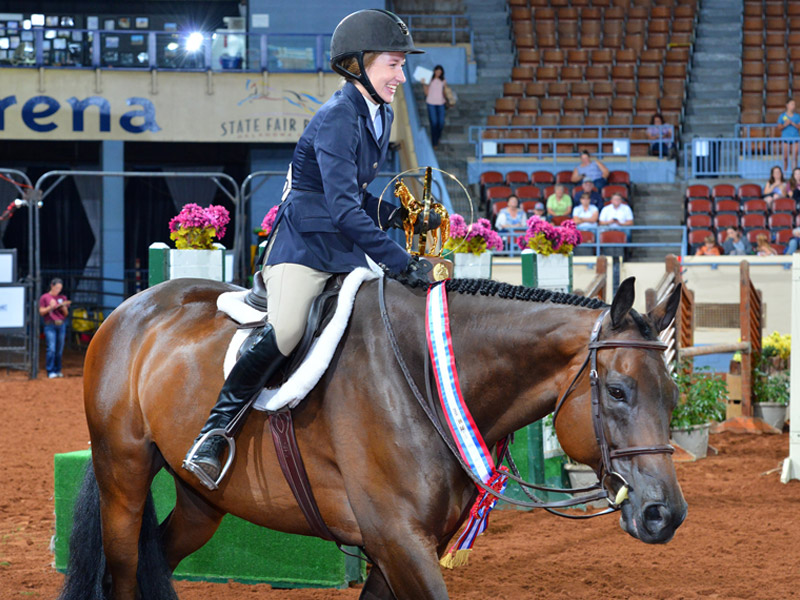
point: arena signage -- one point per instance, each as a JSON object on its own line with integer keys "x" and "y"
{"x": 75, "y": 105}
{"x": 37, "y": 113}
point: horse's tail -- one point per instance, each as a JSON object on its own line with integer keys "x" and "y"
{"x": 86, "y": 570}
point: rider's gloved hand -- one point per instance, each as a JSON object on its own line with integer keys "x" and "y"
{"x": 416, "y": 272}
{"x": 401, "y": 214}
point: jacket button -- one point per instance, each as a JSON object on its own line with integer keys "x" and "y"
{"x": 364, "y": 185}
{"x": 375, "y": 165}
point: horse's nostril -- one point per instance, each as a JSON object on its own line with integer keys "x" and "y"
{"x": 655, "y": 517}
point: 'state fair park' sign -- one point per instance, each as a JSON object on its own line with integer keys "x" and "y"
{"x": 177, "y": 107}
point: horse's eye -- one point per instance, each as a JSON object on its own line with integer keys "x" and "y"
{"x": 616, "y": 393}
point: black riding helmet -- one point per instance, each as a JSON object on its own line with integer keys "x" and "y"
{"x": 370, "y": 30}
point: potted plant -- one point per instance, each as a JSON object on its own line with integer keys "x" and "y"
{"x": 549, "y": 249}
{"x": 469, "y": 247}
{"x": 771, "y": 380}
{"x": 196, "y": 254}
{"x": 702, "y": 401}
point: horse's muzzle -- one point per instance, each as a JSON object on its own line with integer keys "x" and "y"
{"x": 654, "y": 522}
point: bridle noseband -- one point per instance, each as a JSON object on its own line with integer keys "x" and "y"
{"x": 607, "y": 471}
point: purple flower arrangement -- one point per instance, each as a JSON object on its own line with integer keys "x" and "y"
{"x": 195, "y": 227}
{"x": 476, "y": 238}
{"x": 545, "y": 238}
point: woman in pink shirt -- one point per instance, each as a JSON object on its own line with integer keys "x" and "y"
{"x": 434, "y": 98}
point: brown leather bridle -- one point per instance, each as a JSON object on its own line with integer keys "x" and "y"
{"x": 607, "y": 472}
{"x": 596, "y": 492}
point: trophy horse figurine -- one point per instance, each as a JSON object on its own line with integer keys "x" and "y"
{"x": 420, "y": 212}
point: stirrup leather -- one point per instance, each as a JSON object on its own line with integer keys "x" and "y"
{"x": 197, "y": 470}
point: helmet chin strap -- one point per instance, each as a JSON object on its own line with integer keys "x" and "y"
{"x": 363, "y": 79}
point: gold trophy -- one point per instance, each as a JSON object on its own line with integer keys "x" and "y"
{"x": 421, "y": 212}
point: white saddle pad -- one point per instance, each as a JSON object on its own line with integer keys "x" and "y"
{"x": 316, "y": 362}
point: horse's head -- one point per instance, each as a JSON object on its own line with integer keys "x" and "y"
{"x": 635, "y": 396}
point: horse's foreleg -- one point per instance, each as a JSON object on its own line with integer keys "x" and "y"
{"x": 409, "y": 566}
{"x": 189, "y": 526}
{"x": 376, "y": 588}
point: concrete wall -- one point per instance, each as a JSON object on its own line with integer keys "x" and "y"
{"x": 318, "y": 16}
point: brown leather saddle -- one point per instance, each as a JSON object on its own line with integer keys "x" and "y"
{"x": 319, "y": 315}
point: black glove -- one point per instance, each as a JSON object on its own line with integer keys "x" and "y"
{"x": 416, "y": 273}
{"x": 401, "y": 214}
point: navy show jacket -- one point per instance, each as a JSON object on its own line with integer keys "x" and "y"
{"x": 329, "y": 221}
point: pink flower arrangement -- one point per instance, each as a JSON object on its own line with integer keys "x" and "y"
{"x": 195, "y": 227}
{"x": 476, "y": 238}
{"x": 546, "y": 238}
{"x": 269, "y": 221}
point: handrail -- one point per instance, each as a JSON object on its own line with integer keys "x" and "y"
{"x": 535, "y": 139}
{"x": 257, "y": 52}
{"x": 413, "y": 22}
{"x": 743, "y": 157}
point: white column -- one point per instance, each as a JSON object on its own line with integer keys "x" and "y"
{"x": 791, "y": 466}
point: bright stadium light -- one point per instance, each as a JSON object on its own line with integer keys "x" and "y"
{"x": 37, "y": 20}
{"x": 194, "y": 42}
{"x": 172, "y": 46}
{"x": 26, "y": 24}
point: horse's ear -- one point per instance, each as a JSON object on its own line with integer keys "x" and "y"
{"x": 665, "y": 310}
{"x": 623, "y": 301}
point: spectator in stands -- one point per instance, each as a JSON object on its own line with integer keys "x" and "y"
{"x": 776, "y": 187}
{"x": 789, "y": 126}
{"x": 591, "y": 168}
{"x": 735, "y": 243}
{"x": 585, "y": 214}
{"x": 763, "y": 247}
{"x": 539, "y": 210}
{"x": 794, "y": 243}
{"x": 709, "y": 247}
{"x": 617, "y": 215}
{"x": 660, "y": 134}
{"x": 434, "y": 98}
{"x": 54, "y": 308}
{"x": 559, "y": 204}
{"x": 587, "y": 187}
{"x": 512, "y": 216}
{"x": 794, "y": 185}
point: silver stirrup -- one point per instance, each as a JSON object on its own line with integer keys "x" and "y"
{"x": 197, "y": 470}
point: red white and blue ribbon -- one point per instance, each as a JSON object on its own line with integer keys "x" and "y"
{"x": 462, "y": 427}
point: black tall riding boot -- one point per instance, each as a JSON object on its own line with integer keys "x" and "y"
{"x": 249, "y": 375}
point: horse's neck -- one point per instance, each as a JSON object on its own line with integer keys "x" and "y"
{"x": 513, "y": 358}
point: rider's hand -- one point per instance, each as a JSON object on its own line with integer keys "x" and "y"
{"x": 416, "y": 272}
{"x": 434, "y": 221}
{"x": 399, "y": 215}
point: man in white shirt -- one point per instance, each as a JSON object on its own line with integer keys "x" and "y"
{"x": 585, "y": 214}
{"x": 617, "y": 214}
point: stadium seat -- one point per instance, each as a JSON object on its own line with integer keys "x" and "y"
{"x": 587, "y": 236}
{"x": 613, "y": 237}
{"x": 753, "y": 234}
{"x": 701, "y": 221}
{"x": 753, "y": 221}
{"x": 756, "y": 205}
{"x": 783, "y": 205}
{"x": 698, "y": 191}
{"x": 726, "y": 205}
{"x": 498, "y": 205}
{"x": 725, "y": 220}
{"x": 528, "y": 192}
{"x": 498, "y": 192}
{"x": 529, "y": 206}
{"x": 564, "y": 177}
{"x": 610, "y": 190}
{"x": 723, "y": 190}
{"x": 516, "y": 178}
{"x": 782, "y": 236}
{"x": 543, "y": 178}
{"x": 491, "y": 178}
{"x": 698, "y": 236}
{"x": 780, "y": 221}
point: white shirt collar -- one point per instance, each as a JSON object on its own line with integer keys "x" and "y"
{"x": 373, "y": 108}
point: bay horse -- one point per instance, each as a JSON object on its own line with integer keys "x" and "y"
{"x": 382, "y": 479}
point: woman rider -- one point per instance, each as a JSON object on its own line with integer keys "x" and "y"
{"x": 328, "y": 223}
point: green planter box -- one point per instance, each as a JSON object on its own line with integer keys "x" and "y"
{"x": 239, "y": 550}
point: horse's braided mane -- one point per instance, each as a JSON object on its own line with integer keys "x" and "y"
{"x": 488, "y": 287}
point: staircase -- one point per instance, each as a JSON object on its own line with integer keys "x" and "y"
{"x": 714, "y": 93}
{"x": 494, "y": 55}
{"x": 656, "y": 204}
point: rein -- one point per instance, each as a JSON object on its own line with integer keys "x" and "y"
{"x": 598, "y": 491}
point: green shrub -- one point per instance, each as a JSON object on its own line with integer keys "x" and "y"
{"x": 702, "y": 397}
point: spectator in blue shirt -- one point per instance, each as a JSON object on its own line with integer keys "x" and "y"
{"x": 789, "y": 126}
{"x": 794, "y": 243}
{"x": 587, "y": 187}
{"x": 591, "y": 168}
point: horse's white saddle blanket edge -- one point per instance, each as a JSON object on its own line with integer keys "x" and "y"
{"x": 316, "y": 362}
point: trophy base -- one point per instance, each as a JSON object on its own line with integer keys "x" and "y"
{"x": 442, "y": 268}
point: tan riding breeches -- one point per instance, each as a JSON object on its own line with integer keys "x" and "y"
{"x": 291, "y": 289}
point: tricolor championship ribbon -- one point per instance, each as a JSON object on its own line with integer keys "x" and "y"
{"x": 462, "y": 427}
